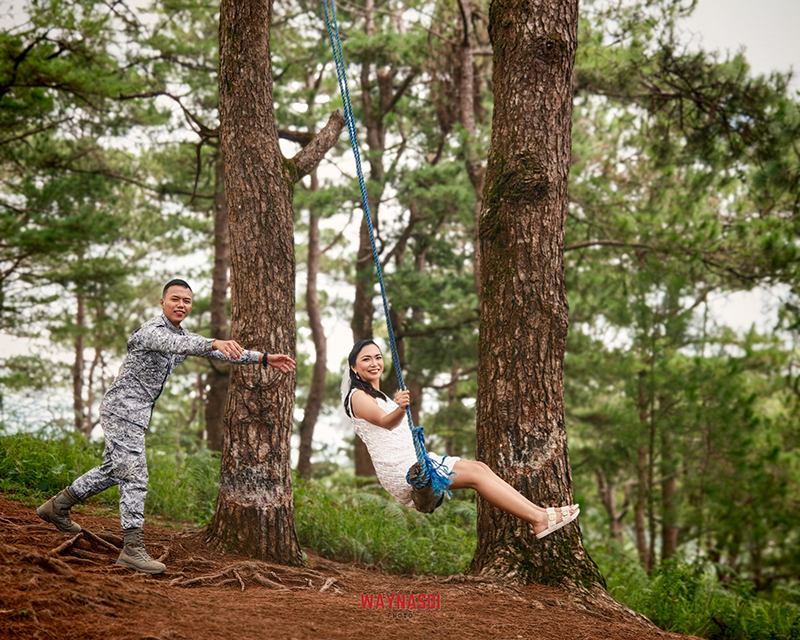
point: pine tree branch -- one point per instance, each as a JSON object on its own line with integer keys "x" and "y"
{"x": 612, "y": 243}
{"x": 22, "y": 136}
{"x": 311, "y": 155}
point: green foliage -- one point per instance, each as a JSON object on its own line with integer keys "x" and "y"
{"x": 181, "y": 487}
{"x": 688, "y": 599}
{"x": 38, "y": 467}
{"x": 363, "y": 525}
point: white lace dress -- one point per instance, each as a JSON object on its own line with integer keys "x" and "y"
{"x": 392, "y": 452}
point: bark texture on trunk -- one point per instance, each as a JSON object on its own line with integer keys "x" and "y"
{"x": 218, "y": 377}
{"x": 255, "y": 514}
{"x": 524, "y": 312}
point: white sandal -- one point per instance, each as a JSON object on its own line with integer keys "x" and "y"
{"x": 552, "y": 525}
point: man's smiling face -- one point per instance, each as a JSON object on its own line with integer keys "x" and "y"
{"x": 176, "y": 304}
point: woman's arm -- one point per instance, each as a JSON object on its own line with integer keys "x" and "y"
{"x": 365, "y": 407}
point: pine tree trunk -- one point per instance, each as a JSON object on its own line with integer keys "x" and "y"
{"x": 316, "y": 393}
{"x": 524, "y": 312}
{"x": 669, "y": 507}
{"x": 218, "y": 377}
{"x": 81, "y": 420}
{"x": 255, "y": 513}
{"x": 361, "y": 322}
{"x": 475, "y": 169}
{"x": 640, "y": 510}
{"x": 643, "y": 547}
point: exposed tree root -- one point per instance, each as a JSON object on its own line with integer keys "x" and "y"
{"x": 54, "y": 565}
{"x": 276, "y": 577}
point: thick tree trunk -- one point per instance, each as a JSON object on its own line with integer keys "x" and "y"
{"x": 218, "y": 377}
{"x": 524, "y": 312}
{"x": 255, "y": 514}
{"x": 316, "y": 394}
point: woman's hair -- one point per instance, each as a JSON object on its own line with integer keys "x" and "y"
{"x": 355, "y": 381}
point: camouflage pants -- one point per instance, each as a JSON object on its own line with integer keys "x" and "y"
{"x": 124, "y": 463}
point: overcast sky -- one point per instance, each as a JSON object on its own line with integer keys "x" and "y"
{"x": 766, "y": 28}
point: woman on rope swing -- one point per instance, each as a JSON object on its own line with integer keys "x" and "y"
{"x": 377, "y": 422}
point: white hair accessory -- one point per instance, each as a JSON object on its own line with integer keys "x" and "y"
{"x": 345, "y": 422}
{"x": 345, "y": 386}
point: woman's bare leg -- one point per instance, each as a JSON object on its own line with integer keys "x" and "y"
{"x": 496, "y": 491}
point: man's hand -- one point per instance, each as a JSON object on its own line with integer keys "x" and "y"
{"x": 282, "y": 362}
{"x": 230, "y": 348}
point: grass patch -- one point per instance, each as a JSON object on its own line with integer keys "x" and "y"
{"x": 182, "y": 487}
{"x": 367, "y": 525}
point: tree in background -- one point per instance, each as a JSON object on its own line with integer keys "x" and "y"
{"x": 679, "y": 195}
{"x": 75, "y": 229}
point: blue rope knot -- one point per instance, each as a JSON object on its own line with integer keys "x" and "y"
{"x": 432, "y": 470}
{"x": 435, "y": 471}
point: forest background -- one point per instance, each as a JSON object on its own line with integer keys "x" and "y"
{"x": 683, "y": 431}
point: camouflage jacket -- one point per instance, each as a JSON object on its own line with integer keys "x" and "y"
{"x": 154, "y": 350}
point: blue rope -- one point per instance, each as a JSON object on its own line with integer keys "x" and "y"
{"x": 436, "y": 471}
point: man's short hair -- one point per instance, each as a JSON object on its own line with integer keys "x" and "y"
{"x": 175, "y": 283}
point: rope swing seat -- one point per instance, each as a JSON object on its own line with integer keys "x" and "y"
{"x": 428, "y": 478}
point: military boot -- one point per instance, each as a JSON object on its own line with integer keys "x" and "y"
{"x": 56, "y": 511}
{"x": 135, "y": 556}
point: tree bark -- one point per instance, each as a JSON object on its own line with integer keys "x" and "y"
{"x": 218, "y": 377}
{"x": 316, "y": 393}
{"x": 363, "y": 309}
{"x": 524, "y": 313}
{"x": 255, "y": 513}
{"x": 640, "y": 510}
{"x": 607, "y": 492}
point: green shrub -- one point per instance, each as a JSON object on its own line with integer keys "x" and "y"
{"x": 687, "y": 598}
{"x": 182, "y": 487}
{"x": 38, "y": 467}
{"x": 367, "y": 525}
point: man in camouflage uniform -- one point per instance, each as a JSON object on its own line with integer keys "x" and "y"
{"x": 154, "y": 350}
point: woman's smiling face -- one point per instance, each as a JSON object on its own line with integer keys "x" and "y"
{"x": 369, "y": 364}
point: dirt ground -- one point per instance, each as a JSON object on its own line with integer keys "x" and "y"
{"x": 53, "y": 585}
